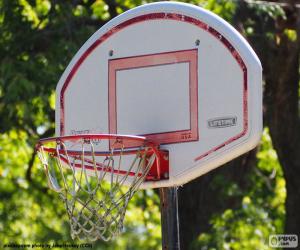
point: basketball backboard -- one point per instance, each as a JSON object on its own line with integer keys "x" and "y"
{"x": 174, "y": 73}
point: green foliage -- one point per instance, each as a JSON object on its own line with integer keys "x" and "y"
{"x": 36, "y": 15}
{"x": 259, "y": 18}
{"x": 272, "y": 10}
{"x": 261, "y": 210}
{"x": 223, "y": 8}
{"x": 100, "y": 10}
{"x": 291, "y": 34}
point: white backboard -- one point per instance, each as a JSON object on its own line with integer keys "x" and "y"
{"x": 172, "y": 72}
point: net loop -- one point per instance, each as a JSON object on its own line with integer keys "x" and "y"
{"x": 95, "y": 185}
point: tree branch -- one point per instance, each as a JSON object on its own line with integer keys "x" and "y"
{"x": 112, "y": 8}
{"x": 47, "y": 133}
{"x": 30, "y": 165}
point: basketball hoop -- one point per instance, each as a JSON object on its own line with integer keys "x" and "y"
{"x": 195, "y": 89}
{"x": 95, "y": 184}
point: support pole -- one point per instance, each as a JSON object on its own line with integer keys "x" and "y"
{"x": 169, "y": 218}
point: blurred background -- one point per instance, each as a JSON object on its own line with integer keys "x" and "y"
{"x": 234, "y": 207}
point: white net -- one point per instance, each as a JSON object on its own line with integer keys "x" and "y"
{"x": 96, "y": 186}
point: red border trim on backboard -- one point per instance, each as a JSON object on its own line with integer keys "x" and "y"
{"x": 165, "y": 16}
{"x": 160, "y": 59}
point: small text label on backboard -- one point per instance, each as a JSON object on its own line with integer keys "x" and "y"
{"x": 186, "y": 136}
{"x": 87, "y": 131}
{"x": 222, "y": 122}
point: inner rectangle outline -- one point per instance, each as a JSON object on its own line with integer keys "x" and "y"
{"x": 153, "y": 66}
{"x": 152, "y": 60}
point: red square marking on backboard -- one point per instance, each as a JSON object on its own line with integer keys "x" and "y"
{"x": 167, "y": 58}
